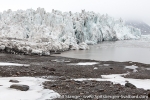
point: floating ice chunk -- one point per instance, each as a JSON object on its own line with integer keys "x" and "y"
{"x": 83, "y": 46}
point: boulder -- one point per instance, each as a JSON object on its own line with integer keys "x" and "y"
{"x": 20, "y": 87}
{"x": 14, "y": 81}
{"x": 148, "y": 95}
{"x": 130, "y": 85}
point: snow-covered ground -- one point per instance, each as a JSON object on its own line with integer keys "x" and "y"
{"x": 38, "y": 31}
{"x": 118, "y": 78}
{"x": 132, "y": 67}
{"x": 36, "y": 91}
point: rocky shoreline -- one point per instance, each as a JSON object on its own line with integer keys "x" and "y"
{"x": 61, "y": 72}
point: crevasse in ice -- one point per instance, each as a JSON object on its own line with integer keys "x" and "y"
{"x": 38, "y": 31}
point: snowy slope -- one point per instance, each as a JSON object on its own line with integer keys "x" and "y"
{"x": 38, "y": 31}
{"x": 145, "y": 28}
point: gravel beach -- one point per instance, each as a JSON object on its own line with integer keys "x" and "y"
{"x": 62, "y": 73}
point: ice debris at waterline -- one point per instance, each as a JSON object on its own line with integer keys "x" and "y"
{"x": 39, "y": 32}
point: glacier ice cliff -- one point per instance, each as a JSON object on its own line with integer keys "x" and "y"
{"x": 39, "y": 32}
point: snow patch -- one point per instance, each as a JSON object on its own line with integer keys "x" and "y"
{"x": 95, "y": 68}
{"x": 84, "y": 63}
{"x": 132, "y": 67}
{"x": 148, "y": 68}
{"x": 36, "y": 91}
{"x": 12, "y": 64}
{"x": 117, "y": 78}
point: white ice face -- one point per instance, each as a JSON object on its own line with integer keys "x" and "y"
{"x": 59, "y": 30}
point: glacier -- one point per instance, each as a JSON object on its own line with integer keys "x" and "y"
{"x": 40, "y": 32}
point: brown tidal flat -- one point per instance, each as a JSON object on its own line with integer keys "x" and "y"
{"x": 63, "y": 71}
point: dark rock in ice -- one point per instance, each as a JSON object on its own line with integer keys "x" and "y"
{"x": 148, "y": 95}
{"x": 20, "y": 87}
{"x": 130, "y": 85}
{"x": 14, "y": 81}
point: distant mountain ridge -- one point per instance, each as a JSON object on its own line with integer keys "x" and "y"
{"x": 145, "y": 28}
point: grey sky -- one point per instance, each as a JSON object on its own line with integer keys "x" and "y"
{"x": 135, "y": 9}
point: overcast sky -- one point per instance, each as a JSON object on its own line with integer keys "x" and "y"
{"x": 135, "y": 9}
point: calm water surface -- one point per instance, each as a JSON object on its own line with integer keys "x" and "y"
{"x": 128, "y": 50}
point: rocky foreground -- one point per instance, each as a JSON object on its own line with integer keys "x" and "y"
{"x": 61, "y": 73}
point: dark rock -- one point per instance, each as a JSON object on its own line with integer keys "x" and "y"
{"x": 81, "y": 49}
{"x": 26, "y": 66}
{"x": 148, "y": 95}
{"x": 78, "y": 82}
{"x": 57, "y": 52}
{"x": 53, "y": 85}
{"x": 111, "y": 68}
{"x": 101, "y": 90}
{"x": 130, "y": 85}
{"x": 17, "y": 73}
{"x": 14, "y": 81}
{"x": 52, "y": 69}
{"x": 44, "y": 67}
{"x": 20, "y": 87}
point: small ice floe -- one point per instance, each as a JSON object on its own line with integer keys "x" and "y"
{"x": 132, "y": 67}
{"x": 119, "y": 79}
{"x": 12, "y": 64}
{"x": 84, "y": 63}
{"x": 35, "y": 92}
